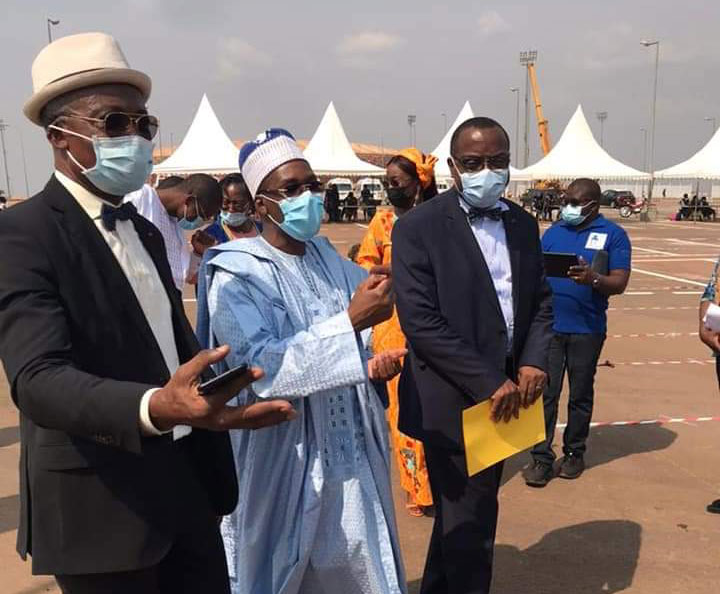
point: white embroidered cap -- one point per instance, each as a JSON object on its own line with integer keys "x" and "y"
{"x": 267, "y": 152}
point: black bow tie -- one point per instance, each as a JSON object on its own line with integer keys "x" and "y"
{"x": 494, "y": 214}
{"x": 109, "y": 215}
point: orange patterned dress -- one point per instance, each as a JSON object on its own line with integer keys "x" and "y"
{"x": 376, "y": 249}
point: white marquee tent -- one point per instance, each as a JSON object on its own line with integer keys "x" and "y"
{"x": 577, "y": 154}
{"x": 206, "y": 148}
{"x": 329, "y": 152}
{"x": 705, "y": 164}
{"x": 442, "y": 151}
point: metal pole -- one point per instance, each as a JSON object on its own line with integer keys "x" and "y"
{"x": 644, "y": 151}
{"x": 516, "y": 92}
{"x": 526, "y": 154}
{"x": 22, "y": 150}
{"x": 602, "y": 116}
{"x": 714, "y": 123}
{"x": 651, "y": 163}
{"x": 3, "y": 125}
{"x": 50, "y": 23}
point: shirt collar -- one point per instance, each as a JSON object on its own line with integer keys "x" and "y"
{"x": 88, "y": 201}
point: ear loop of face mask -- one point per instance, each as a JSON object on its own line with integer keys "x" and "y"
{"x": 83, "y": 169}
{"x": 276, "y": 202}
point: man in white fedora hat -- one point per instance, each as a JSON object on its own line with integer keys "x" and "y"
{"x": 122, "y": 476}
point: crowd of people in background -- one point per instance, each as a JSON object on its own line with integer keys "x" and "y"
{"x": 306, "y": 370}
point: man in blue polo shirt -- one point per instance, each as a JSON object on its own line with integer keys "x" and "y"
{"x": 580, "y": 305}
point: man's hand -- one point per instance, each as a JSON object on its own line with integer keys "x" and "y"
{"x": 531, "y": 382}
{"x": 201, "y": 241}
{"x": 505, "y": 402}
{"x": 385, "y": 366}
{"x": 374, "y": 299}
{"x": 180, "y": 403}
{"x": 581, "y": 274}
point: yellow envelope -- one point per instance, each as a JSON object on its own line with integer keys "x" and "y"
{"x": 487, "y": 442}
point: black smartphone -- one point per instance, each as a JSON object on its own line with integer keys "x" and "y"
{"x": 214, "y": 384}
{"x": 558, "y": 265}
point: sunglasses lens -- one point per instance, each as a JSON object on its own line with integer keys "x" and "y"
{"x": 148, "y": 126}
{"x": 117, "y": 124}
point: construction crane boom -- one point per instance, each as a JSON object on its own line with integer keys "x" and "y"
{"x": 542, "y": 123}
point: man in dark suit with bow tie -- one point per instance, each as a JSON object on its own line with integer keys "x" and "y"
{"x": 124, "y": 466}
{"x": 476, "y": 309}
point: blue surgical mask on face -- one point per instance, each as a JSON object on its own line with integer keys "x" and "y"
{"x": 302, "y": 215}
{"x": 122, "y": 163}
{"x": 484, "y": 188}
{"x": 233, "y": 219}
{"x": 195, "y": 224}
{"x": 573, "y": 215}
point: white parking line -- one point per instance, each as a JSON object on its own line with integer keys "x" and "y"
{"x": 668, "y": 277}
{"x": 662, "y": 253}
{"x": 688, "y": 242}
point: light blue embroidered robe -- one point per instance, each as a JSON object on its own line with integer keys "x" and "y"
{"x": 315, "y": 514}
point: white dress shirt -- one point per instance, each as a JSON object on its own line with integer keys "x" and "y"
{"x": 143, "y": 277}
{"x": 492, "y": 240}
{"x": 179, "y": 254}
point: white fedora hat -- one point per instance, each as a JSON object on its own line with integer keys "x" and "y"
{"x": 79, "y": 61}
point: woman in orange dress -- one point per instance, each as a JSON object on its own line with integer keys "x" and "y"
{"x": 411, "y": 180}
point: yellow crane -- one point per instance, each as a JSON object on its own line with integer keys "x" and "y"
{"x": 527, "y": 59}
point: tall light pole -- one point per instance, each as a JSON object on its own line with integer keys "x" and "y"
{"x": 714, "y": 123}
{"x": 50, "y": 24}
{"x": 651, "y": 161}
{"x": 516, "y": 92}
{"x": 24, "y": 162}
{"x": 602, "y": 116}
{"x": 527, "y": 58}
{"x": 411, "y": 122}
{"x": 3, "y": 126}
{"x": 644, "y": 151}
{"x": 445, "y": 126}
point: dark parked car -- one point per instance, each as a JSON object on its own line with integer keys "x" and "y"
{"x": 617, "y": 198}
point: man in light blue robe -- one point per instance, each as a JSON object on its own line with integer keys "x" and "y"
{"x": 316, "y": 513}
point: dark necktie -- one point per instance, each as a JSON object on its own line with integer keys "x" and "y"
{"x": 494, "y": 214}
{"x": 109, "y": 215}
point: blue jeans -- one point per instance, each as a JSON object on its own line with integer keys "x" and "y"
{"x": 577, "y": 354}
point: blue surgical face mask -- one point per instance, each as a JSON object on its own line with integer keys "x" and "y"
{"x": 573, "y": 215}
{"x": 196, "y": 223}
{"x": 302, "y": 215}
{"x": 122, "y": 163}
{"x": 484, "y": 188}
{"x": 233, "y": 219}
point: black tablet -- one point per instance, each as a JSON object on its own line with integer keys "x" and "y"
{"x": 558, "y": 265}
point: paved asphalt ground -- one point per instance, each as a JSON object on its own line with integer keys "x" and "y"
{"x": 636, "y": 520}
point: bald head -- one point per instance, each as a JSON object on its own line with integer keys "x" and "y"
{"x": 585, "y": 190}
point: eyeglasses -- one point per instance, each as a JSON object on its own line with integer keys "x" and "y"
{"x": 295, "y": 190}
{"x": 471, "y": 164}
{"x": 118, "y": 123}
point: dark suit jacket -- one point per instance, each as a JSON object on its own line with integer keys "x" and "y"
{"x": 96, "y": 496}
{"x": 451, "y": 316}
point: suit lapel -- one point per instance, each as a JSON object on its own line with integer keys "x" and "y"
{"x": 461, "y": 231}
{"x": 511, "y": 233}
{"x": 92, "y": 247}
{"x": 185, "y": 338}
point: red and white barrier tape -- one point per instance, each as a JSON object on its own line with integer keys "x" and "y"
{"x": 663, "y": 421}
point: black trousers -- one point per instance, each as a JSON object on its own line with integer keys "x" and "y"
{"x": 195, "y": 564}
{"x": 460, "y": 556}
{"x": 577, "y": 354}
